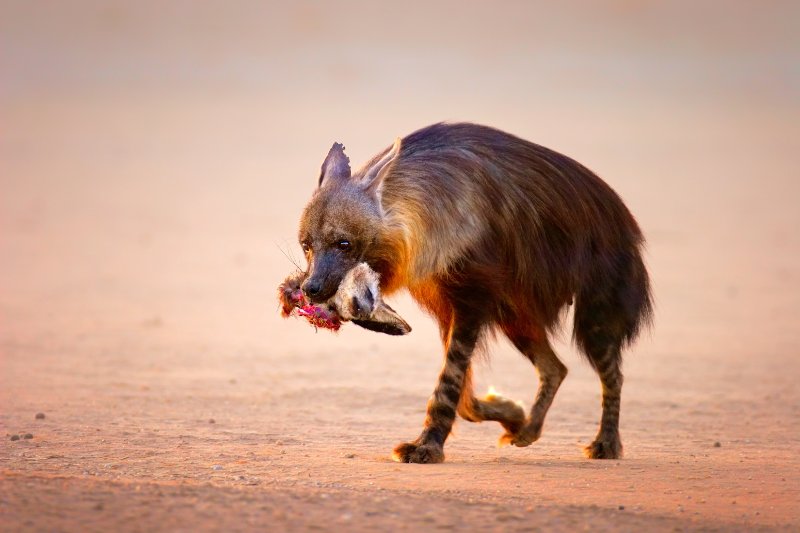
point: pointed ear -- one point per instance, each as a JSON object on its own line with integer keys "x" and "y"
{"x": 336, "y": 166}
{"x": 373, "y": 178}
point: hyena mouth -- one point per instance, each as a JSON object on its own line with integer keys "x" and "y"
{"x": 357, "y": 300}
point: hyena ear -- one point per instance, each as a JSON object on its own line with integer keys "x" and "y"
{"x": 373, "y": 177}
{"x": 336, "y": 166}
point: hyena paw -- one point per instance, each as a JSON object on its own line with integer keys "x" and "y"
{"x": 412, "y": 452}
{"x": 508, "y": 412}
{"x": 524, "y": 437}
{"x": 604, "y": 447}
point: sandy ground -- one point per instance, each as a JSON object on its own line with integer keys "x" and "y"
{"x": 154, "y": 160}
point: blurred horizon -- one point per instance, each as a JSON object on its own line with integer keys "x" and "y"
{"x": 156, "y": 156}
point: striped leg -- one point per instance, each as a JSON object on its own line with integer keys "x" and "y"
{"x": 551, "y": 373}
{"x": 429, "y": 446}
{"x": 607, "y": 444}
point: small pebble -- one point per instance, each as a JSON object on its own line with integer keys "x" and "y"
{"x": 28, "y": 436}
{"x": 350, "y": 456}
{"x": 14, "y": 437}
{"x": 717, "y": 445}
{"x": 39, "y": 416}
{"x": 216, "y": 467}
{"x": 621, "y": 507}
{"x": 212, "y": 421}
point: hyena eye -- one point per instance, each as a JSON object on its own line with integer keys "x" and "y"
{"x": 306, "y": 247}
{"x": 343, "y": 245}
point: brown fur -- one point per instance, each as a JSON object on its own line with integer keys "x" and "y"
{"x": 488, "y": 232}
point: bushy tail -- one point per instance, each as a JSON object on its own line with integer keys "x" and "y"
{"x": 615, "y": 304}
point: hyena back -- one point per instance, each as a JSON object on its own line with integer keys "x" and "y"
{"x": 488, "y": 232}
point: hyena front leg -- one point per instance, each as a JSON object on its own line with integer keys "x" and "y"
{"x": 551, "y": 373}
{"x": 441, "y": 412}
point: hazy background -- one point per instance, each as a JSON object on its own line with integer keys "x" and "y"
{"x": 155, "y": 158}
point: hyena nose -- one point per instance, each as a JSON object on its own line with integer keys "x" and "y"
{"x": 312, "y": 288}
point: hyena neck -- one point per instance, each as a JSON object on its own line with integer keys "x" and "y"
{"x": 389, "y": 258}
{"x": 428, "y": 249}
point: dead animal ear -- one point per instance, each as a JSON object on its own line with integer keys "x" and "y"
{"x": 336, "y": 166}
{"x": 384, "y": 319}
{"x": 373, "y": 177}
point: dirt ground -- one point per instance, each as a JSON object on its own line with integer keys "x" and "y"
{"x": 154, "y": 160}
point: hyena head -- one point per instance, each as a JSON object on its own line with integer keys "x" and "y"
{"x": 343, "y": 220}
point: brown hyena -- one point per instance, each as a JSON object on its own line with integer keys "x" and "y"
{"x": 488, "y": 232}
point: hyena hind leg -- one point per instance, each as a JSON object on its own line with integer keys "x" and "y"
{"x": 551, "y": 374}
{"x": 492, "y": 407}
{"x": 608, "y": 316}
{"x": 607, "y": 444}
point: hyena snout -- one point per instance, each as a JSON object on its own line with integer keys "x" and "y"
{"x": 312, "y": 287}
{"x": 319, "y": 290}
{"x": 322, "y": 284}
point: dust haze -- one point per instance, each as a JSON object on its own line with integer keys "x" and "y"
{"x": 154, "y": 162}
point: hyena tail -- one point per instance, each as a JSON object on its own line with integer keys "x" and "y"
{"x": 613, "y": 306}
